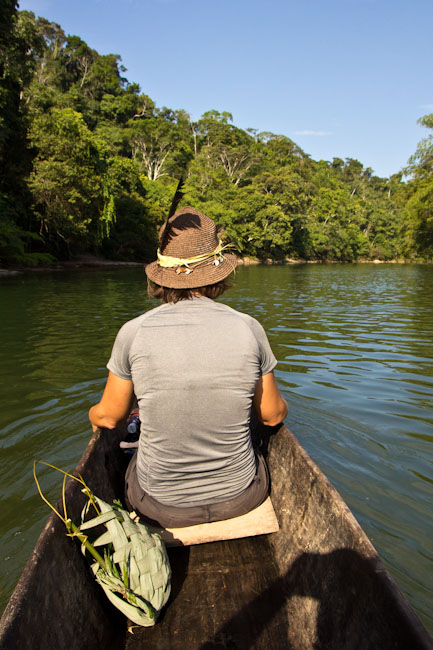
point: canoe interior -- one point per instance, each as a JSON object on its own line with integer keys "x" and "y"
{"x": 315, "y": 584}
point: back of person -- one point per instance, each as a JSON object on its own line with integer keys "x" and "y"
{"x": 197, "y": 368}
{"x": 194, "y": 365}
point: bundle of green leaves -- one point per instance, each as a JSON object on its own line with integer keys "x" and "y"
{"x": 128, "y": 560}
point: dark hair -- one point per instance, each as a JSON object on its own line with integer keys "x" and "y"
{"x": 174, "y": 295}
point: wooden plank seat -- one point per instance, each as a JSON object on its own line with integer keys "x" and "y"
{"x": 260, "y": 521}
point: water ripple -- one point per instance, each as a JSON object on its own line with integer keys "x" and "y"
{"x": 354, "y": 345}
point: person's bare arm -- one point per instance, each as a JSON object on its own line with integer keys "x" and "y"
{"x": 270, "y": 407}
{"x": 115, "y": 404}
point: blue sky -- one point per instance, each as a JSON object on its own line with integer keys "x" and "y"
{"x": 342, "y": 78}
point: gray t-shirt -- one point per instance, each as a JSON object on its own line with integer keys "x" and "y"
{"x": 194, "y": 365}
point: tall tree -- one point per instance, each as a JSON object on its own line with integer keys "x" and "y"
{"x": 19, "y": 45}
{"x": 419, "y": 207}
{"x": 69, "y": 180}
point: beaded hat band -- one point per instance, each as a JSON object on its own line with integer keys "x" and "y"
{"x": 190, "y": 254}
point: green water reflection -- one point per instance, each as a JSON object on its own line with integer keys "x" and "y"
{"x": 355, "y": 348}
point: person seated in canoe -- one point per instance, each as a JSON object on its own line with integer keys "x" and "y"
{"x": 197, "y": 368}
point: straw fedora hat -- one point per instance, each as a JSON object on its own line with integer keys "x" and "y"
{"x": 190, "y": 254}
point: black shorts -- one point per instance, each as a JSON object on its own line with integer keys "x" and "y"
{"x": 176, "y": 517}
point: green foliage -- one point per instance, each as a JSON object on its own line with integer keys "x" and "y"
{"x": 14, "y": 242}
{"x": 419, "y": 212}
{"x": 140, "y": 206}
{"x": 69, "y": 179}
{"x": 419, "y": 206}
{"x": 92, "y": 164}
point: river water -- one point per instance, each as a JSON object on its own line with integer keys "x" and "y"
{"x": 354, "y": 345}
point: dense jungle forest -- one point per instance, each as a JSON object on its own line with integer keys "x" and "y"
{"x": 91, "y": 165}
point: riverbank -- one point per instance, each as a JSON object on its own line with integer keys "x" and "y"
{"x": 290, "y": 260}
{"x": 89, "y": 262}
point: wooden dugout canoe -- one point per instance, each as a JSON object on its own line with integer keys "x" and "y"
{"x": 316, "y": 584}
